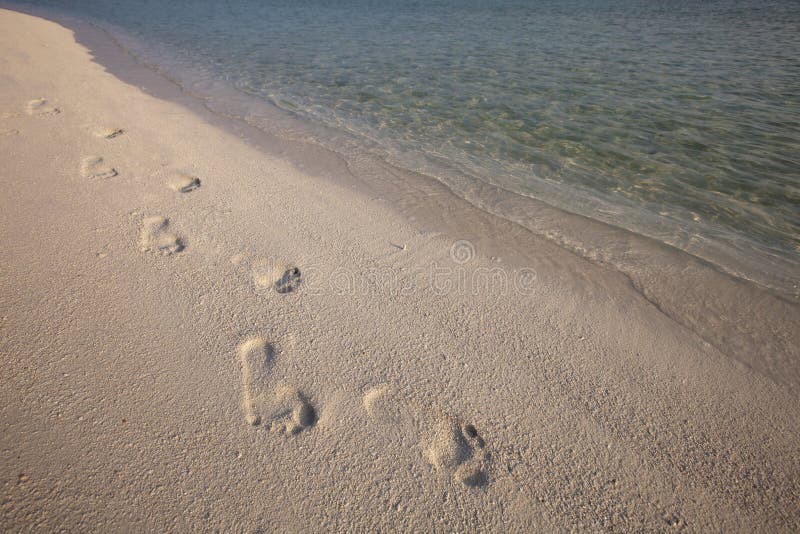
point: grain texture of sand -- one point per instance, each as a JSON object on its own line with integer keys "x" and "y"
{"x": 196, "y": 335}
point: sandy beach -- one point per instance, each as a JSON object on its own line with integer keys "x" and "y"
{"x": 201, "y": 334}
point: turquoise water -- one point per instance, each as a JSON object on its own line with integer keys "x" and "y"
{"x": 679, "y": 120}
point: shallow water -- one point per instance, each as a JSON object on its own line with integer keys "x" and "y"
{"x": 679, "y": 121}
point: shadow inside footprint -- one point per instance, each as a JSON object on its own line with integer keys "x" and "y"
{"x": 303, "y": 416}
{"x": 155, "y": 236}
{"x": 95, "y": 167}
{"x": 291, "y": 412}
{"x": 184, "y": 183}
{"x": 280, "y": 276}
{"x": 471, "y": 475}
{"x": 107, "y": 133}
{"x": 472, "y": 434}
{"x": 40, "y": 106}
{"x": 289, "y": 281}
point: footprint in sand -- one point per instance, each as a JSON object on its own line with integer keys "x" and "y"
{"x": 156, "y": 237}
{"x": 285, "y": 410}
{"x": 108, "y": 133}
{"x": 450, "y": 446}
{"x": 282, "y": 277}
{"x": 40, "y": 106}
{"x": 457, "y": 448}
{"x": 96, "y": 167}
{"x": 383, "y": 404}
{"x": 183, "y": 183}
{"x": 9, "y": 132}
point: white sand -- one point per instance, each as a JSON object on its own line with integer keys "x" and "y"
{"x": 198, "y": 336}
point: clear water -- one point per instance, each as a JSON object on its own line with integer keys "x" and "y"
{"x": 679, "y": 120}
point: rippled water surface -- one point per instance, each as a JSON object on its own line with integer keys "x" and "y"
{"x": 676, "y": 119}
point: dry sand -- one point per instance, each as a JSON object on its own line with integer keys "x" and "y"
{"x": 196, "y": 335}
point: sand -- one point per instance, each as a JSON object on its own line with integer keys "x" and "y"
{"x": 198, "y": 334}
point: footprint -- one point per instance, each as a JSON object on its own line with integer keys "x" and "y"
{"x": 40, "y": 106}
{"x": 255, "y": 357}
{"x": 157, "y": 238}
{"x": 108, "y": 133}
{"x": 183, "y": 183}
{"x": 374, "y": 398}
{"x": 96, "y": 167}
{"x": 454, "y": 448}
{"x": 383, "y": 405}
{"x": 284, "y": 278}
{"x": 9, "y": 132}
{"x": 286, "y": 410}
{"x": 289, "y": 412}
{"x": 459, "y": 450}
{"x": 289, "y": 280}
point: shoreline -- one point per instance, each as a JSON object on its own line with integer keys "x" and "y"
{"x": 200, "y": 333}
{"x": 585, "y": 235}
{"x": 686, "y": 288}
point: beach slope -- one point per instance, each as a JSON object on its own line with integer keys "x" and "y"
{"x": 197, "y": 335}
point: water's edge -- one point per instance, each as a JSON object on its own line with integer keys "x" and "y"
{"x": 753, "y": 324}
